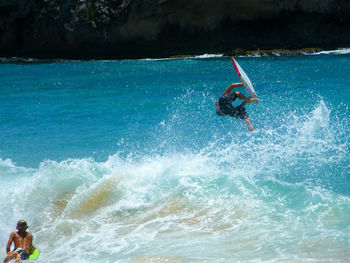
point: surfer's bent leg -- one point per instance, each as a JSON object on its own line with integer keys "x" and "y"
{"x": 10, "y": 256}
{"x": 242, "y": 97}
{"x": 231, "y": 87}
{"x": 240, "y": 113}
{"x": 246, "y": 100}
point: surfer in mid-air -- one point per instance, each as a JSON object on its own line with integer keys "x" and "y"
{"x": 224, "y": 105}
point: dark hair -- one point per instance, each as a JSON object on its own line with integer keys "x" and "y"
{"x": 22, "y": 223}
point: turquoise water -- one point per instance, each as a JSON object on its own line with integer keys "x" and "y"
{"x": 127, "y": 161}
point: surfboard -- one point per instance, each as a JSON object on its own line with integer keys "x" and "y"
{"x": 34, "y": 255}
{"x": 244, "y": 78}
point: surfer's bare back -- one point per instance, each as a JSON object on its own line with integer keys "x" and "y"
{"x": 224, "y": 105}
{"x": 22, "y": 241}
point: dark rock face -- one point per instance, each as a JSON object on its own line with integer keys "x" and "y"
{"x": 158, "y": 28}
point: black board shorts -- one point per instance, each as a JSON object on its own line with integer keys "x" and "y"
{"x": 23, "y": 254}
{"x": 224, "y": 107}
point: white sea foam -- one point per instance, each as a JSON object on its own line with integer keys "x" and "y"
{"x": 341, "y": 51}
{"x": 317, "y": 121}
{"x": 206, "y": 56}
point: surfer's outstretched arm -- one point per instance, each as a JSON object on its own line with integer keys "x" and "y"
{"x": 231, "y": 87}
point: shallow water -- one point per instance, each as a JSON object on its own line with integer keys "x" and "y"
{"x": 126, "y": 161}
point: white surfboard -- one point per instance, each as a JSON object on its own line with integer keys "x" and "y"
{"x": 244, "y": 78}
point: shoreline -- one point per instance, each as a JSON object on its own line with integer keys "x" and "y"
{"x": 231, "y": 53}
{"x": 278, "y": 52}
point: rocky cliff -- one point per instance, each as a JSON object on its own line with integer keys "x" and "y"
{"x": 158, "y": 28}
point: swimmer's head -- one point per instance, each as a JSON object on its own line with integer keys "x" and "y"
{"x": 22, "y": 225}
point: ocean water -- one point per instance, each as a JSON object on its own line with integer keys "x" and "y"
{"x": 127, "y": 161}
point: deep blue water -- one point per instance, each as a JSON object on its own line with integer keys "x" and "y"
{"x": 134, "y": 150}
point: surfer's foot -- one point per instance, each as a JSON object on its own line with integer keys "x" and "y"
{"x": 253, "y": 100}
{"x": 249, "y": 125}
{"x": 250, "y": 128}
